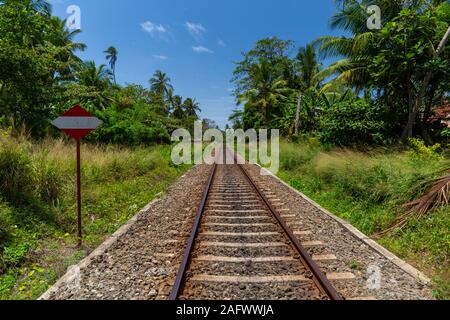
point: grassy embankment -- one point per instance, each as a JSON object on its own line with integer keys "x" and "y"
{"x": 368, "y": 188}
{"x": 38, "y": 211}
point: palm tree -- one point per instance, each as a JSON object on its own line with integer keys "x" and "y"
{"x": 64, "y": 39}
{"x": 42, "y": 7}
{"x": 191, "y": 107}
{"x": 236, "y": 119}
{"x": 87, "y": 74}
{"x": 308, "y": 79}
{"x": 91, "y": 85}
{"x": 111, "y": 56}
{"x": 170, "y": 100}
{"x": 178, "y": 110}
{"x": 160, "y": 83}
{"x": 358, "y": 50}
{"x": 266, "y": 90}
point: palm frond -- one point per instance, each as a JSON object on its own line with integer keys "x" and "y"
{"x": 352, "y": 18}
{"x": 438, "y": 196}
{"x": 361, "y": 43}
{"x": 332, "y": 46}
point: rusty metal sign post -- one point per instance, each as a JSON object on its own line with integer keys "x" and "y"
{"x": 78, "y": 123}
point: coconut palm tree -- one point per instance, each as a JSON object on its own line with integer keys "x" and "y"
{"x": 91, "y": 85}
{"x": 355, "y": 51}
{"x": 160, "y": 83}
{"x": 64, "y": 39}
{"x": 170, "y": 100}
{"x": 177, "y": 107}
{"x": 87, "y": 74}
{"x": 111, "y": 56}
{"x": 40, "y": 6}
{"x": 358, "y": 51}
{"x": 191, "y": 107}
{"x": 308, "y": 77}
{"x": 265, "y": 91}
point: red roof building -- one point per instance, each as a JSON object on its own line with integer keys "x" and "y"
{"x": 442, "y": 114}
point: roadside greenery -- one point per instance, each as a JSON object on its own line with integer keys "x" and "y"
{"x": 41, "y": 76}
{"x": 343, "y": 121}
{"x": 368, "y": 189}
{"x": 385, "y": 85}
{"x": 367, "y": 135}
{"x": 38, "y": 209}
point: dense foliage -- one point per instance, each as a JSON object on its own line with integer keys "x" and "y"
{"x": 37, "y": 220}
{"x": 386, "y": 84}
{"x": 368, "y": 189}
{"x": 41, "y": 76}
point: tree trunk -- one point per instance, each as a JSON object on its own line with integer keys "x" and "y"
{"x": 297, "y": 116}
{"x": 424, "y": 121}
{"x": 425, "y": 134}
{"x": 407, "y": 133}
{"x": 413, "y": 115}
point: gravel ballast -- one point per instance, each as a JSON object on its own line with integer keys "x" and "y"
{"x": 140, "y": 264}
{"x": 141, "y": 260}
{"x": 363, "y": 259}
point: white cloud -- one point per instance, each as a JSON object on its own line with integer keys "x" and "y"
{"x": 160, "y": 57}
{"x": 221, "y": 43}
{"x": 156, "y": 30}
{"x": 201, "y": 49}
{"x": 196, "y": 30}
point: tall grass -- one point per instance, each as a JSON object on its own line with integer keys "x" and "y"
{"x": 369, "y": 188}
{"x": 16, "y": 173}
{"x": 37, "y": 203}
{"x": 371, "y": 179}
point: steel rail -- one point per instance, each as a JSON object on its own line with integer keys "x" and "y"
{"x": 181, "y": 275}
{"x": 318, "y": 276}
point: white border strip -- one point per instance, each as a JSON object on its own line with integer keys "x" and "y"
{"x": 360, "y": 236}
{"x": 77, "y": 122}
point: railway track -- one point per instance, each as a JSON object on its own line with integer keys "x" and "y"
{"x": 241, "y": 248}
{"x": 238, "y": 250}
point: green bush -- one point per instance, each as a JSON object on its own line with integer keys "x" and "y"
{"x": 15, "y": 254}
{"x": 352, "y": 122}
{"x": 421, "y": 151}
{"x": 130, "y": 127}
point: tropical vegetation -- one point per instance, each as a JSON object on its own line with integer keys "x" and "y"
{"x": 366, "y": 135}
{"x": 384, "y": 86}
{"x": 41, "y": 76}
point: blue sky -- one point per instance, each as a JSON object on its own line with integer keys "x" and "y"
{"x": 194, "y": 41}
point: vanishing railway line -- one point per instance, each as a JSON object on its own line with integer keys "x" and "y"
{"x": 240, "y": 246}
{"x": 253, "y": 238}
